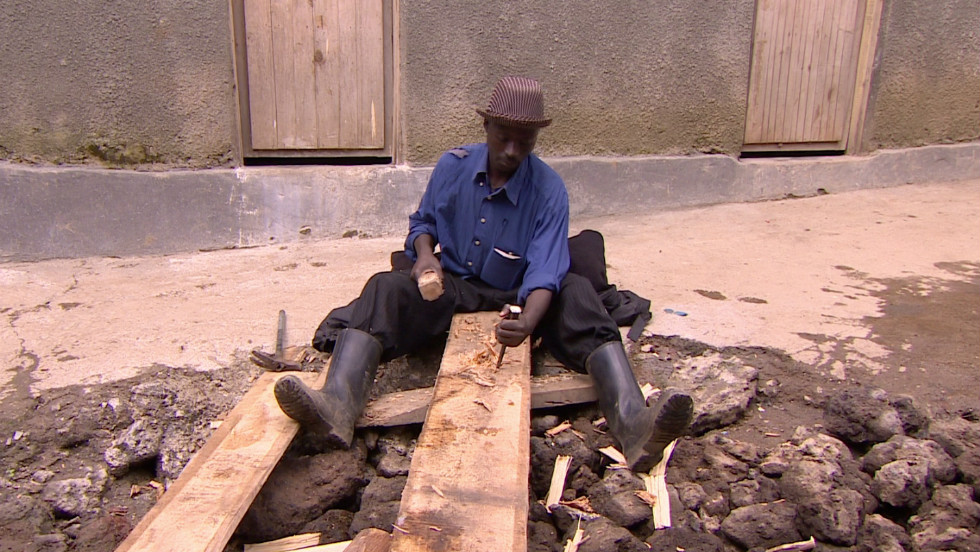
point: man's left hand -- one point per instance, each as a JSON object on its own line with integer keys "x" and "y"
{"x": 513, "y": 332}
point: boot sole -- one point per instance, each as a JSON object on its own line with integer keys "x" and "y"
{"x": 300, "y": 403}
{"x": 672, "y": 418}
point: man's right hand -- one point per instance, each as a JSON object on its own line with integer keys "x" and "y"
{"x": 425, "y": 257}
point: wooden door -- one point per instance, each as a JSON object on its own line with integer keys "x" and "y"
{"x": 805, "y": 66}
{"x": 316, "y": 74}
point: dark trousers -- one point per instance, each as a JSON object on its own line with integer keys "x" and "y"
{"x": 391, "y": 309}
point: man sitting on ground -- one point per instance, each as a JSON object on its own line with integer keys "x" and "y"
{"x": 500, "y": 218}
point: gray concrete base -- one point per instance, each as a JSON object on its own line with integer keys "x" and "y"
{"x": 58, "y": 212}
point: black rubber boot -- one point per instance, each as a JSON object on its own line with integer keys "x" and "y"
{"x": 642, "y": 432}
{"x": 332, "y": 411}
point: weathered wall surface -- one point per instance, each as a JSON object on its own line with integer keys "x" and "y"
{"x": 926, "y": 87}
{"x": 128, "y": 82}
{"x": 619, "y": 78}
{"x": 151, "y": 83}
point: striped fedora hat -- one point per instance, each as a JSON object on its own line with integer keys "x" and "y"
{"x": 517, "y": 101}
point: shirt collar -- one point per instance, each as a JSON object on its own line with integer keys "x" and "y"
{"x": 518, "y": 180}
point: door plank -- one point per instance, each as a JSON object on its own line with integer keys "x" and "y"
{"x": 370, "y": 55}
{"x": 259, "y": 64}
{"x": 303, "y": 84}
{"x": 282, "y": 77}
{"x": 326, "y": 19}
{"x": 467, "y": 485}
{"x": 349, "y": 72}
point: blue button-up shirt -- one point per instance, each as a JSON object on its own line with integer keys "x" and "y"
{"x": 516, "y": 236}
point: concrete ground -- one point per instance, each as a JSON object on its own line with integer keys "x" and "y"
{"x": 806, "y": 276}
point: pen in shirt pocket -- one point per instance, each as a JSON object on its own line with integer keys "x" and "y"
{"x": 506, "y": 254}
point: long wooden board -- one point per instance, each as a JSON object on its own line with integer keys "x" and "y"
{"x": 409, "y": 407}
{"x": 202, "y": 508}
{"x": 467, "y": 485}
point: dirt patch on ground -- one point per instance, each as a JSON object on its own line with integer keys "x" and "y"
{"x": 81, "y": 465}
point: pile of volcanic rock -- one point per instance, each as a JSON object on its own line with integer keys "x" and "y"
{"x": 876, "y": 475}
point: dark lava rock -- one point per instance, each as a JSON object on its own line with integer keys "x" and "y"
{"x": 615, "y": 498}
{"x": 914, "y": 422}
{"x": 379, "y": 504}
{"x": 765, "y": 525}
{"x": 862, "y": 416}
{"x": 299, "y": 490}
{"x": 674, "y": 539}
{"x": 754, "y": 490}
{"x": 333, "y": 526}
{"x": 542, "y": 537}
{"x": 939, "y": 466}
{"x": 948, "y": 521}
{"x": 603, "y": 535}
{"x": 879, "y": 534}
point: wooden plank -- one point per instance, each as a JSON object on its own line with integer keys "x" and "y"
{"x": 368, "y": 540}
{"x": 862, "y": 88}
{"x": 370, "y": 85}
{"x": 348, "y": 76}
{"x": 467, "y": 485}
{"x": 326, "y": 31}
{"x": 409, "y": 407}
{"x": 282, "y": 76}
{"x": 285, "y": 544}
{"x": 261, "y": 82}
{"x": 303, "y": 84}
{"x": 202, "y": 508}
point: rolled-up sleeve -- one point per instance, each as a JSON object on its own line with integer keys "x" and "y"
{"x": 547, "y": 255}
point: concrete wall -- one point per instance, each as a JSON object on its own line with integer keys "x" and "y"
{"x": 128, "y": 82}
{"x": 151, "y": 83}
{"x": 80, "y": 212}
{"x": 926, "y": 87}
{"x": 629, "y": 78}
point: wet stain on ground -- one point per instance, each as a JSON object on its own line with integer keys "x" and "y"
{"x": 717, "y": 296}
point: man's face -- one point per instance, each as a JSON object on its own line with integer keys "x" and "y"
{"x": 508, "y": 146}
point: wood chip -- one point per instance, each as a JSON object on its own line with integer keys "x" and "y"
{"x": 286, "y": 544}
{"x": 646, "y": 497}
{"x": 656, "y": 484}
{"x": 577, "y": 539}
{"x": 437, "y": 491}
{"x": 648, "y": 390}
{"x": 614, "y": 453}
{"x": 400, "y": 530}
{"x": 558, "y": 475}
{"x": 794, "y": 546}
{"x": 483, "y": 403}
{"x": 581, "y": 503}
{"x": 558, "y": 429}
{"x": 773, "y": 434}
{"x": 436, "y": 529}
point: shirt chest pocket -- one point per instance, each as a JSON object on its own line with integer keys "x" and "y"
{"x": 503, "y": 269}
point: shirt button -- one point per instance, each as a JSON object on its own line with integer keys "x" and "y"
{"x": 483, "y": 221}
{"x": 481, "y": 184}
{"x": 477, "y": 242}
{"x": 469, "y": 263}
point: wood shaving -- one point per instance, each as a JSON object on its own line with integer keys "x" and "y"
{"x": 482, "y": 403}
{"x": 646, "y": 497}
{"x": 558, "y": 429}
{"x": 400, "y": 530}
{"x": 613, "y": 453}
{"x": 437, "y": 491}
{"x": 581, "y": 503}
